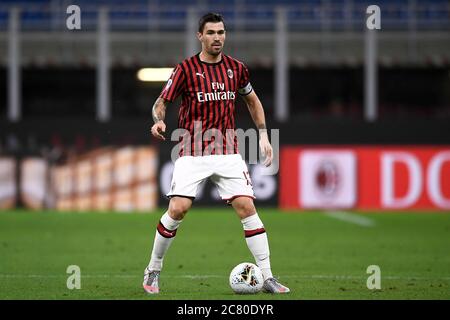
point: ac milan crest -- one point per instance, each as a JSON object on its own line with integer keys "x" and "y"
{"x": 327, "y": 178}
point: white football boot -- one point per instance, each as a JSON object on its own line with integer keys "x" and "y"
{"x": 272, "y": 285}
{"x": 151, "y": 281}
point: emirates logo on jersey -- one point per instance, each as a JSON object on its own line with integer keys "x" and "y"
{"x": 218, "y": 93}
{"x": 215, "y": 96}
{"x": 230, "y": 73}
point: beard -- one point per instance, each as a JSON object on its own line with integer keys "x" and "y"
{"x": 213, "y": 52}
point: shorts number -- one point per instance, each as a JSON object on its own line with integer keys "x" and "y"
{"x": 247, "y": 177}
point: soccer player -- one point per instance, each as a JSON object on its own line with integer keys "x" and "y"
{"x": 209, "y": 83}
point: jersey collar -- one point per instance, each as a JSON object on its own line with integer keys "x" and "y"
{"x": 208, "y": 63}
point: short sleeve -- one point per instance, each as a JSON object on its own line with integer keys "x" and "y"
{"x": 245, "y": 86}
{"x": 174, "y": 85}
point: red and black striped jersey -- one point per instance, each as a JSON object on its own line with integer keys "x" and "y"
{"x": 207, "y": 110}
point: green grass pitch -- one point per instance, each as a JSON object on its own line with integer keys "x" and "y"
{"x": 317, "y": 256}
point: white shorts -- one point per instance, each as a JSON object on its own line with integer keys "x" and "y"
{"x": 229, "y": 173}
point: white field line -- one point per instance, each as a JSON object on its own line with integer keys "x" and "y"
{"x": 101, "y": 276}
{"x": 313, "y": 276}
{"x": 351, "y": 218}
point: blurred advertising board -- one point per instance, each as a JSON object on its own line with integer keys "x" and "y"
{"x": 107, "y": 179}
{"x": 33, "y": 182}
{"x": 8, "y": 185}
{"x": 365, "y": 177}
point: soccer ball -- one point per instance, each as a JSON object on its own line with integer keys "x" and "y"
{"x": 246, "y": 278}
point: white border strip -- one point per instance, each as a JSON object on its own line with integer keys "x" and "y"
{"x": 351, "y": 218}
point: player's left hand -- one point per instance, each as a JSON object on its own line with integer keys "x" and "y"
{"x": 266, "y": 148}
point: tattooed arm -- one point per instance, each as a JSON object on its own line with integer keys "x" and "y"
{"x": 159, "y": 114}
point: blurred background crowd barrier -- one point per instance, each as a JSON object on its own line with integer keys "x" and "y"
{"x": 365, "y": 112}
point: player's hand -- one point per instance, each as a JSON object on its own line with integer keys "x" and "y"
{"x": 158, "y": 129}
{"x": 266, "y": 148}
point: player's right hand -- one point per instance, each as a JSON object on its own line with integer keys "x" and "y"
{"x": 158, "y": 129}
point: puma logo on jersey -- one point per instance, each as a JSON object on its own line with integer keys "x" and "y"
{"x": 200, "y": 74}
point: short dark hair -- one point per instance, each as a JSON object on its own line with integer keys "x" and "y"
{"x": 209, "y": 17}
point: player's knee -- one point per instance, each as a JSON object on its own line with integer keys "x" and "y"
{"x": 178, "y": 209}
{"x": 244, "y": 207}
